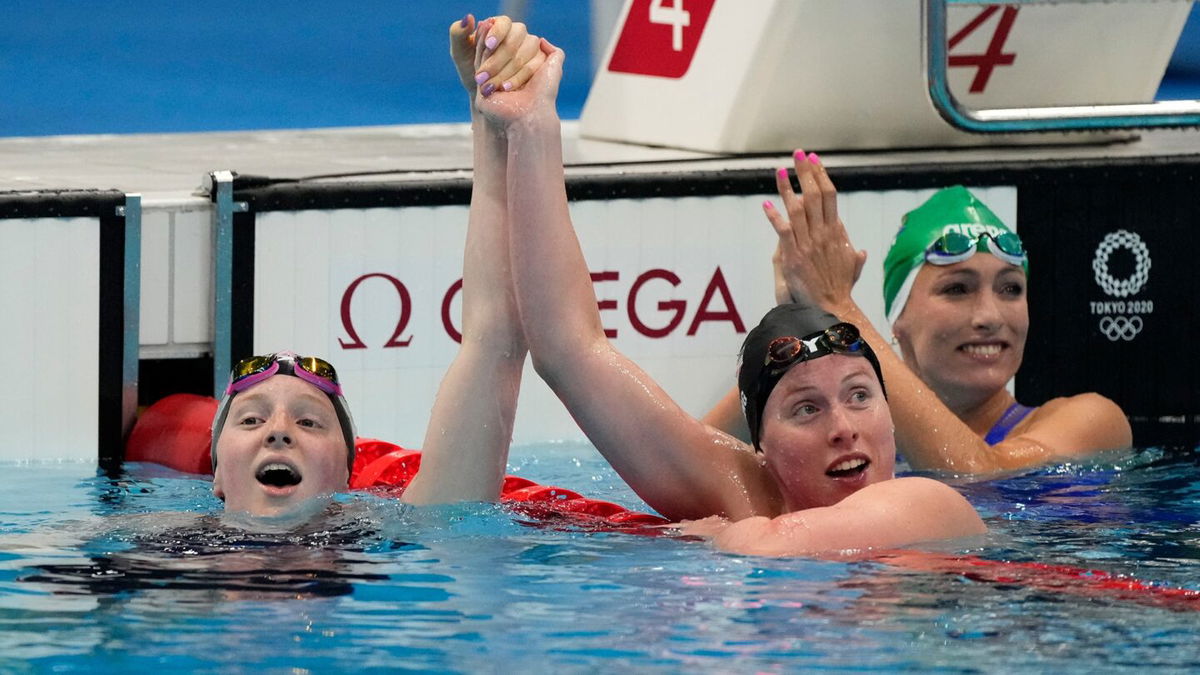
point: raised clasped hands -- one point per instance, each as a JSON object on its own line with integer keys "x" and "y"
{"x": 814, "y": 260}
{"x": 496, "y": 59}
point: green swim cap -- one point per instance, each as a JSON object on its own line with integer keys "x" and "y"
{"x": 952, "y": 209}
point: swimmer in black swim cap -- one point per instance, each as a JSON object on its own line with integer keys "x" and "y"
{"x": 824, "y": 478}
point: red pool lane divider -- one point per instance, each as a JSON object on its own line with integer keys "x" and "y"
{"x": 177, "y": 432}
{"x": 1066, "y": 579}
{"x": 383, "y": 467}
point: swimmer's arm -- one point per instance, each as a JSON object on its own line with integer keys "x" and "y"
{"x": 889, "y": 514}
{"x": 470, "y": 427}
{"x": 932, "y": 438}
{"x": 680, "y": 466}
{"x": 727, "y": 416}
{"x": 1074, "y": 426}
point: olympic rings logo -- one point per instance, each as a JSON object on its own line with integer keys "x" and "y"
{"x": 1121, "y": 327}
{"x": 1122, "y": 288}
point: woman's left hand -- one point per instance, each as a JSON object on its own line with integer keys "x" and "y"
{"x": 815, "y": 259}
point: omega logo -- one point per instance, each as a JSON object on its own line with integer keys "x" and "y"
{"x": 715, "y": 305}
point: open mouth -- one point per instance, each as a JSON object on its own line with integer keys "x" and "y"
{"x": 277, "y": 475}
{"x": 848, "y": 469}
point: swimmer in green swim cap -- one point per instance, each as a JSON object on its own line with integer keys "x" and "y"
{"x": 950, "y": 227}
{"x": 954, "y": 290}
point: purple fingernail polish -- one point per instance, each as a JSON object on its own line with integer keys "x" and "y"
{"x": 812, "y": 157}
{"x": 465, "y": 20}
{"x": 491, "y": 42}
{"x": 488, "y": 89}
{"x": 480, "y": 78}
{"x": 507, "y": 86}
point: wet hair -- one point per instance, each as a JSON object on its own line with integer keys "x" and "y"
{"x": 756, "y": 381}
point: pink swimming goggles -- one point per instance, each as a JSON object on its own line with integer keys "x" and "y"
{"x": 254, "y": 369}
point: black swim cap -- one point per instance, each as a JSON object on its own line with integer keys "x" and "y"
{"x": 757, "y": 375}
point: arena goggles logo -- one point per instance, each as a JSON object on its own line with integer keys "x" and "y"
{"x": 1122, "y": 319}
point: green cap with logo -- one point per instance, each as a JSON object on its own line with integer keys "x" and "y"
{"x": 952, "y": 209}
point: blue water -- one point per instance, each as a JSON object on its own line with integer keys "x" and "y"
{"x": 104, "y": 575}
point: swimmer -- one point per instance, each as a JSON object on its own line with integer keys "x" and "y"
{"x": 823, "y": 480}
{"x": 283, "y": 433}
{"x": 955, "y": 280}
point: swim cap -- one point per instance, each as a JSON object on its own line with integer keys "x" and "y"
{"x": 287, "y": 366}
{"x": 952, "y": 209}
{"x": 758, "y": 375}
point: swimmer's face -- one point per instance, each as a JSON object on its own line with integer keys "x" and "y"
{"x": 963, "y": 330}
{"x": 827, "y": 431}
{"x": 281, "y": 445}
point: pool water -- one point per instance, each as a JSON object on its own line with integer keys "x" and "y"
{"x": 105, "y": 574}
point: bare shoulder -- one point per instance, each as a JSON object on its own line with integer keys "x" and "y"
{"x": 919, "y": 493}
{"x": 921, "y": 509}
{"x": 1077, "y": 425}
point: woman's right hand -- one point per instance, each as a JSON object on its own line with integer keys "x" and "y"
{"x": 814, "y": 260}
{"x": 537, "y": 95}
{"x": 498, "y": 54}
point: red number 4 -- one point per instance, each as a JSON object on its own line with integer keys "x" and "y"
{"x": 986, "y": 62}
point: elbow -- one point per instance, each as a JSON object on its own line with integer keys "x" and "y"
{"x": 555, "y": 361}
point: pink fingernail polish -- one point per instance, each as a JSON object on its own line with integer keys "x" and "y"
{"x": 782, "y": 173}
{"x": 798, "y": 155}
{"x": 768, "y": 205}
{"x": 507, "y": 86}
{"x": 488, "y": 89}
{"x": 812, "y": 157}
{"x": 491, "y": 42}
{"x": 480, "y": 78}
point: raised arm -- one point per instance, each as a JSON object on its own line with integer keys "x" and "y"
{"x": 680, "y": 466}
{"x": 819, "y": 262}
{"x": 470, "y": 428}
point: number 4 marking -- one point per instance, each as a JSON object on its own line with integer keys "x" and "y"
{"x": 674, "y": 16}
{"x": 994, "y": 56}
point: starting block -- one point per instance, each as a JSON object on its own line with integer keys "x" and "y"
{"x": 745, "y": 76}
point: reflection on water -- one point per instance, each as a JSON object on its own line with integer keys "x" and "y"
{"x": 206, "y": 557}
{"x": 145, "y": 571}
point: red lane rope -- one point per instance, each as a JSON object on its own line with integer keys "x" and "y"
{"x": 1066, "y": 579}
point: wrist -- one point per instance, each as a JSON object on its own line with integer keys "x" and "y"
{"x": 845, "y": 309}
{"x": 535, "y": 122}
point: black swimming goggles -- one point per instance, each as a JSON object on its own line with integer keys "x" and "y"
{"x": 785, "y": 352}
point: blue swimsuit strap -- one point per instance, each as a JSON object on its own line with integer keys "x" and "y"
{"x": 1011, "y": 418}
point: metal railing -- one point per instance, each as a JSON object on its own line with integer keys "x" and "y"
{"x": 1048, "y": 118}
